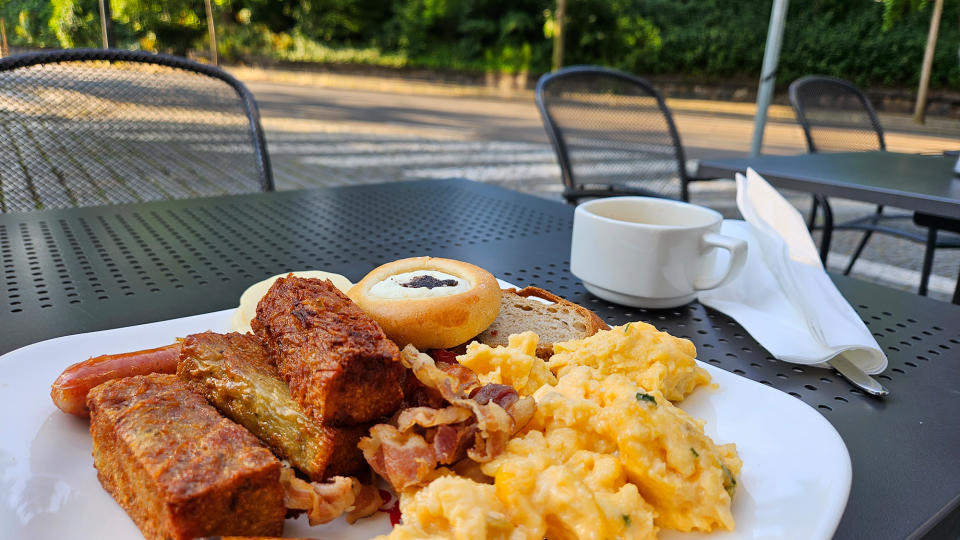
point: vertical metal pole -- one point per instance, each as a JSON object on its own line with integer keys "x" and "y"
{"x": 559, "y": 21}
{"x": 213, "y": 34}
{"x": 105, "y": 17}
{"x": 919, "y": 112}
{"x": 768, "y": 74}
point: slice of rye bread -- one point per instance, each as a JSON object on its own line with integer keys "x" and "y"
{"x": 559, "y": 320}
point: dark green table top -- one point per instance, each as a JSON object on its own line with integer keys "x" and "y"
{"x": 85, "y": 269}
{"x": 915, "y": 182}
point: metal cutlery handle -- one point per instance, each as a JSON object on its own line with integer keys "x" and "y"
{"x": 855, "y": 376}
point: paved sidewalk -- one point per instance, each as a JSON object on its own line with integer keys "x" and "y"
{"x": 367, "y": 130}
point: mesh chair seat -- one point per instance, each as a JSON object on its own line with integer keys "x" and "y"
{"x": 613, "y": 134}
{"x": 93, "y": 127}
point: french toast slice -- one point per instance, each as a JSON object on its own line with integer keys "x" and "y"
{"x": 340, "y": 366}
{"x": 178, "y": 468}
{"x": 233, "y": 371}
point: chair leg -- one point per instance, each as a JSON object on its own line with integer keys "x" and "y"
{"x": 863, "y": 243}
{"x": 857, "y": 252}
{"x": 956, "y": 290}
{"x": 827, "y": 229}
{"x": 927, "y": 261}
{"x": 684, "y": 190}
{"x": 813, "y": 214}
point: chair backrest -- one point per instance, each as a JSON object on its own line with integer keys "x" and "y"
{"x": 101, "y": 126}
{"x": 611, "y": 128}
{"x": 835, "y": 115}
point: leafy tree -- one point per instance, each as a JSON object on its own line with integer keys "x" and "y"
{"x": 893, "y": 10}
{"x": 482, "y": 34}
{"x": 610, "y": 32}
{"x": 274, "y": 15}
{"x": 339, "y": 21}
{"x": 75, "y": 23}
{"x": 27, "y": 22}
{"x": 173, "y": 26}
{"x": 708, "y": 40}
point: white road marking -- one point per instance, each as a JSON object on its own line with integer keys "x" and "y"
{"x": 895, "y": 275}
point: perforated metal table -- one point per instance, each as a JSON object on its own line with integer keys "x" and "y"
{"x": 81, "y": 270}
{"x": 911, "y": 181}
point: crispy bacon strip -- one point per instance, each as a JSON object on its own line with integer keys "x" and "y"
{"x": 495, "y": 426}
{"x": 467, "y": 380}
{"x": 497, "y": 408}
{"x": 450, "y": 442}
{"x": 429, "y": 417}
{"x": 324, "y": 502}
{"x": 451, "y": 384}
{"x": 498, "y": 405}
{"x": 477, "y": 423}
{"x": 367, "y": 500}
{"x": 416, "y": 394}
{"x": 402, "y": 459}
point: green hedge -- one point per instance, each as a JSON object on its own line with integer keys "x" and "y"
{"x": 709, "y": 40}
{"x": 725, "y": 38}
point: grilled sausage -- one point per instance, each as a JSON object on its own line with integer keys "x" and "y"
{"x": 69, "y": 391}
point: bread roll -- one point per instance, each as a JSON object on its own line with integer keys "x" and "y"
{"x": 428, "y": 302}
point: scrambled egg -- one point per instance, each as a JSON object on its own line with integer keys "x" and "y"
{"x": 687, "y": 479}
{"x": 606, "y": 455}
{"x": 456, "y": 508}
{"x": 557, "y": 487}
{"x": 651, "y": 359}
{"x": 516, "y": 364}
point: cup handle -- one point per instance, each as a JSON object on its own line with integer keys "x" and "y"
{"x": 738, "y": 257}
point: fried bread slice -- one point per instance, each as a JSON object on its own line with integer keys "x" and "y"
{"x": 338, "y": 363}
{"x": 178, "y": 468}
{"x": 233, "y": 371}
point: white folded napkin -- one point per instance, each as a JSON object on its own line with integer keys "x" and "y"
{"x": 783, "y": 297}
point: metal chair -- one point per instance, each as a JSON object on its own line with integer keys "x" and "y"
{"x": 837, "y": 117}
{"x": 101, "y": 126}
{"x": 613, "y": 135}
{"x": 934, "y": 225}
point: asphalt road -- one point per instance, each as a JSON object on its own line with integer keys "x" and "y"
{"x": 363, "y": 130}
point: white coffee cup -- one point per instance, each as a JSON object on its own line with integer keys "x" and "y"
{"x": 649, "y": 252}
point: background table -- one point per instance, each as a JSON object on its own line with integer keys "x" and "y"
{"x": 80, "y": 270}
{"x": 910, "y": 181}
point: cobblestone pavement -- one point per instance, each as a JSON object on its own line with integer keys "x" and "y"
{"x": 310, "y": 150}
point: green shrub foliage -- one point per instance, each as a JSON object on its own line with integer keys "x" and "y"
{"x": 869, "y": 42}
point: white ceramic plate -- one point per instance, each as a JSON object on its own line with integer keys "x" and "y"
{"x": 794, "y": 484}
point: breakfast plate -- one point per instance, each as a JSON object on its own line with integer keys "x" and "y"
{"x": 794, "y": 483}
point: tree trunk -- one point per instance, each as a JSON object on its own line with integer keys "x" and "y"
{"x": 559, "y": 21}
{"x": 105, "y": 24}
{"x": 211, "y": 29}
{"x": 4, "y": 50}
{"x": 919, "y": 112}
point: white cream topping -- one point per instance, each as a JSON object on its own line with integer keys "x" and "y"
{"x": 392, "y": 287}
